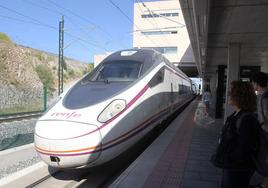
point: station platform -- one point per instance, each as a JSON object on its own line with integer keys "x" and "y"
{"x": 179, "y": 157}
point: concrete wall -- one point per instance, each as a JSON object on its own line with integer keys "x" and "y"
{"x": 168, "y": 23}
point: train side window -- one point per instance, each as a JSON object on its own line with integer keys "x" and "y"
{"x": 181, "y": 89}
{"x": 184, "y": 89}
{"x": 158, "y": 78}
{"x": 188, "y": 89}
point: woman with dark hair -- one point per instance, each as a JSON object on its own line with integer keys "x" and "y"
{"x": 239, "y": 137}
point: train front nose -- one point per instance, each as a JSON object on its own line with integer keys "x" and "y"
{"x": 64, "y": 144}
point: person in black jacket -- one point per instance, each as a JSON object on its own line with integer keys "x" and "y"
{"x": 259, "y": 81}
{"x": 239, "y": 137}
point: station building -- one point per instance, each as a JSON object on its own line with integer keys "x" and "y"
{"x": 160, "y": 25}
{"x": 229, "y": 40}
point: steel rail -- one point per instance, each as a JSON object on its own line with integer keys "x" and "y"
{"x": 18, "y": 116}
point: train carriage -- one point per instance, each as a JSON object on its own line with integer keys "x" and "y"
{"x": 110, "y": 109}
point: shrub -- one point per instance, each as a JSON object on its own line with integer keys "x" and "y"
{"x": 45, "y": 75}
{"x": 14, "y": 82}
{"x": 65, "y": 76}
{"x": 71, "y": 73}
{"x": 3, "y": 68}
{"x": 5, "y": 38}
{"x": 89, "y": 68}
{"x": 64, "y": 65}
{"x": 40, "y": 56}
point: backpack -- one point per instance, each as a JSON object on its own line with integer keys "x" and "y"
{"x": 260, "y": 158}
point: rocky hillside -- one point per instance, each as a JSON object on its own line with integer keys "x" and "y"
{"x": 25, "y": 71}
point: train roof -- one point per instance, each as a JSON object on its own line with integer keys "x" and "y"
{"x": 132, "y": 54}
{"x": 149, "y": 57}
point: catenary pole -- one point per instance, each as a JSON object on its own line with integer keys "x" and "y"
{"x": 60, "y": 66}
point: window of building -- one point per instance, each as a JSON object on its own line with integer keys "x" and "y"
{"x": 165, "y": 50}
{"x": 159, "y": 32}
{"x": 160, "y": 15}
{"x": 170, "y": 50}
{"x": 175, "y": 14}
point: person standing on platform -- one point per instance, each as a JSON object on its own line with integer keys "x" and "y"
{"x": 259, "y": 81}
{"x": 238, "y": 138}
{"x": 207, "y": 99}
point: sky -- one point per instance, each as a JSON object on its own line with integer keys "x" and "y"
{"x": 91, "y": 26}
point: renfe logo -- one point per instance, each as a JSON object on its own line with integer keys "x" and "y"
{"x": 66, "y": 115}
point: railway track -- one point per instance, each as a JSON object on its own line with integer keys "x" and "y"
{"x": 101, "y": 176}
{"x": 58, "y": 179}
{"x": 42, "y": 176}
{"x": 19, "y": 116}
{"x": 94, "y": 177}
{"x": 90, "y": 178}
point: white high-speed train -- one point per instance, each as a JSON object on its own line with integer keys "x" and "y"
{"x": 110, "y": 109}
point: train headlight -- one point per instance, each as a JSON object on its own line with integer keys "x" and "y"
{"x": 114, "y": 108}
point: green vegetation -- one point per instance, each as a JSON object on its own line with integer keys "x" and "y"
{"x": 28, "y": 53}
{"x": 3, "y": 56}
{"x": 89, "y": 68}
{"x": 46, "y": 76}
{"x": 14, "y": 82}
{"x": 3, "y": 68}
{"x": 6, "y": 76}
{"x": 71, "y": 73}
{"x": 40, "y": 56}
{"x": 64, "y": 65}
{"x": 5, "y": 38}
{"x": 65, "y": 76}
{"x": 49, "y": 58}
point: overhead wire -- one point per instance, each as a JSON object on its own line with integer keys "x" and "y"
{"x": 122, "y": 12}
{"x": 28, "y": 17}
{"x": 85, "y": 19}
{"x": 67, "y": 17}
{"x": 85, "y": 41}
{"x": 153, "y": 13}
{"x": 43, "y": 7}
{"x": 37, "y": 22}
{"x": 20, "y": 20}
{"x": 143, "y": 11}
{"x": 156, "y": 24}
{"x": 71, "y": 12}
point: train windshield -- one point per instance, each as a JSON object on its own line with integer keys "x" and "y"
{"x": 117, "y": 71}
